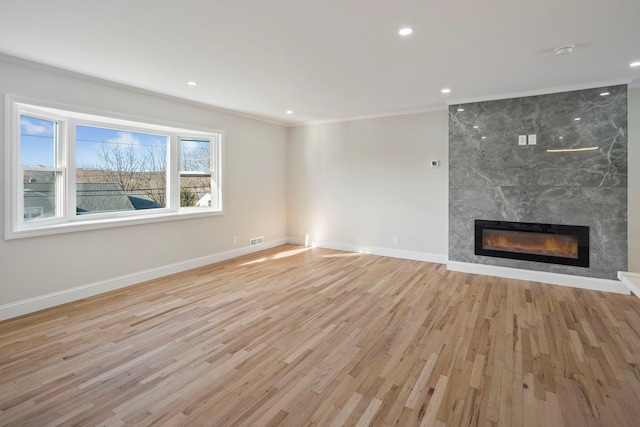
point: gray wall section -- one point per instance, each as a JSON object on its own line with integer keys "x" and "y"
{"x": 494, "y": 178}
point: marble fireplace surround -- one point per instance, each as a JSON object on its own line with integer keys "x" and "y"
{"x": 492, "y": 177}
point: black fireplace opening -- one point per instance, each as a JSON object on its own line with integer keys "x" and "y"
{"x": 550, "y": 243}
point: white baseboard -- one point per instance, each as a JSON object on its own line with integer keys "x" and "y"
{"x": 631, "y": 281}
{"x": 296, "y": 241}
{"x": 372, "y": 250}
{"x": 581, "y": 282}
{"x": 30, "y": 305}
{"x": 590, "y": 283}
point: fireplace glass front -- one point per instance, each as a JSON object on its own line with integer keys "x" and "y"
{"x": 551, "y": 243}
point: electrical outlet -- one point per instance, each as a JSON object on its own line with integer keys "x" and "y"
{"x": 522, "y": 139}
{"x": 235, "y": 240}
{"x": 395, "y": 240}
{"x": 532, "y": 139}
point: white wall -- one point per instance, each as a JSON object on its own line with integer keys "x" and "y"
{"x": 255, "y": 185}
{"x": 356, "y": 184}
{"x": 634, "y": 179}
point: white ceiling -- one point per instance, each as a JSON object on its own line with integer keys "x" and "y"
{"x": 331, "y": 59}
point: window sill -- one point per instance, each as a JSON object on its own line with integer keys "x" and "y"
{"x": 86, "y": 225}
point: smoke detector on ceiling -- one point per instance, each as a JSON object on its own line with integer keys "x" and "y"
{"x": 564, "y": 50}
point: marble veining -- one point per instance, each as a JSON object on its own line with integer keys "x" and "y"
{"x": 492, "y": 177}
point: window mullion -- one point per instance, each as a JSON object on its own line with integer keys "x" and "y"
{"x": 173, "y": 173}
{"x": 14, "y": 174}
{"x": 70, "y": 160}
{"x": 217, "y": 170}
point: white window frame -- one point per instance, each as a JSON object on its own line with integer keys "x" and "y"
{"x": 215, "y": 167}
{"x": 66, "y": 219}
{"x": 60, "y": 166}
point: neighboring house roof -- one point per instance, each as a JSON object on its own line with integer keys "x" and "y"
{"x": 142, "y": 201}
{"x": 34, "y": 198}
{"x": 101, "y": 197}
{"x": 90, "y": 197}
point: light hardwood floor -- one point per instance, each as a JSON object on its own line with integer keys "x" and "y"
{"x": 297, "y": 336}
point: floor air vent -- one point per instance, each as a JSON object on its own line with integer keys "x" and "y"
{"x": 256, "y": 241}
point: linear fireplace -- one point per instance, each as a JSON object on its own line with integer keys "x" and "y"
{"x": 551, "y": 243}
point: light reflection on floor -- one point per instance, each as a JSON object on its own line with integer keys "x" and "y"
{"x": 279, "y": 255}
{"x": 290, "y": 253}
{"x": 343, "y": 255}
{"x": 255, "y": 261}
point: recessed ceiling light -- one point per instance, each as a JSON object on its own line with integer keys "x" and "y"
{"x": 564, "y": 50}
{"x": 562, "y": 137}
{"x": 484, "y": 137}
{"x": 475, "y": 127}
{"x": 289, "y": 111}
{"x": 635, "y": 64}
{"x": 604, "y": 94}
{"x": 577, "y": 119}
{"x": 192, "y": 83}
{"x": 446, "y": 90}
{"x": 460, "y": 109}
{"x": 405, "y": 31}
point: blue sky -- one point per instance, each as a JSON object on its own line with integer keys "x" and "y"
{"x": 90, "y": 141}
{"x": 37, "y": 143}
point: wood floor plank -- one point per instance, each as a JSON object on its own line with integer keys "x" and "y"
{"x": 296, "y": 336}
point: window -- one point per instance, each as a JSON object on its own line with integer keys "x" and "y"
{"x": 42, "y": 171}
{"x": 119, "y": 170}
{"x": 68, "y": 170}
{"x": 196, "y": 174}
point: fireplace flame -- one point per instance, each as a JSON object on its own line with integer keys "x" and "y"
{"x": 531, "y": 243}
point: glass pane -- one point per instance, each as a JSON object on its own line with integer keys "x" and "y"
{"x": 195, "y": 191}
{"x": 37, "y": 142}
{"x": 119, "y": 170}
{"x": 195, "y": 155}
{"x": 195, "y": 173}
{"x": 40, "y": 194}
